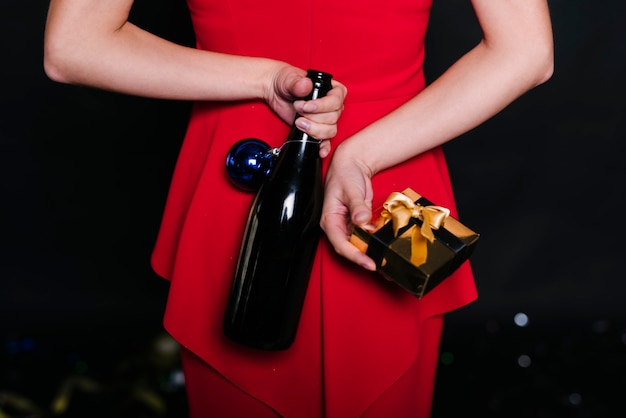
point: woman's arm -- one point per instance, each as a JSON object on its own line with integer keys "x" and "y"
{"x": 515, "y": 55}
{"x": 91, "y": 42}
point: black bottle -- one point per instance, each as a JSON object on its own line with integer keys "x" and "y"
{"x": 279, "y": 243}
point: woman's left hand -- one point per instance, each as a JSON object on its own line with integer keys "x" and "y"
{"x": 318, "y": 117}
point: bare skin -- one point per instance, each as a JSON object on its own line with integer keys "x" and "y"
{"x": 91, "y": 42}
{"x": 515, "y": 55}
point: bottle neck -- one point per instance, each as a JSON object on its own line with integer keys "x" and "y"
{"x": 321, "y": 86}
{"x": 301, "y": 140}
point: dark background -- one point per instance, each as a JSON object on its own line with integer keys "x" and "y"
{"x": 84, "y": 176}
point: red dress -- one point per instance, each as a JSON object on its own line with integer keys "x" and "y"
{"x": 358, "y": 333}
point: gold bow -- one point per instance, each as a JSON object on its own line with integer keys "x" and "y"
{"x": 399, "y": 208}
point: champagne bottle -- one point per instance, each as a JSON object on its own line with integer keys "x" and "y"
{"x": 279, "y": 243}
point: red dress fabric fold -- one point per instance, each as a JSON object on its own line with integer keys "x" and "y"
{"x": 358, "y": 334}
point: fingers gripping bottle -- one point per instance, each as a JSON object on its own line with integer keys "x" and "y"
{"x": 279, "y": 243}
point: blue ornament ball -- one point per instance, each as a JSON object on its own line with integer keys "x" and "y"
{"x": 249, "y": 162}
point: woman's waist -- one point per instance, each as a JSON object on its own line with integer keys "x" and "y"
{"x": 253, "y": 119}
{"x": 372, "y": 89}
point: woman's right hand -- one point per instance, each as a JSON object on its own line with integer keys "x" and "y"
{"x": 348, "y": 198}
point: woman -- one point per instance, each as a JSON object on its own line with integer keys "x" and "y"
{"x": 364, "y": 348}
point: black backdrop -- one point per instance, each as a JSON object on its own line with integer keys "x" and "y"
{"x": 84, "y": 175}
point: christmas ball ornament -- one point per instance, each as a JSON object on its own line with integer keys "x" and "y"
{"x": 249, "y": 162}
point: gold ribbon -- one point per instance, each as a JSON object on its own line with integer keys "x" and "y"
{"x": 399, "y": 208}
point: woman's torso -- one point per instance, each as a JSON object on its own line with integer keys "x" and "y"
{"x": 374, "y": 47}
{"x": 377, "y": 50}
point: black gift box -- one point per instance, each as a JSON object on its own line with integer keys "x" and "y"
{"x": 415, "y": 256}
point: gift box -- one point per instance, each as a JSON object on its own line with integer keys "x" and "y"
{"x": 415, "y": 243}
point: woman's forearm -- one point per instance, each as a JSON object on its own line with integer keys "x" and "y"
{"x": 91, "y": 42}
{"x": 502, "y": 67}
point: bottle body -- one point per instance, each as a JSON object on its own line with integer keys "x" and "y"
{"x": 279, "y": 245}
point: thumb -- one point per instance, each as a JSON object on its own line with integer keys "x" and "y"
{"x": 361, "y": 211}
{"x": 300, "y": 86}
